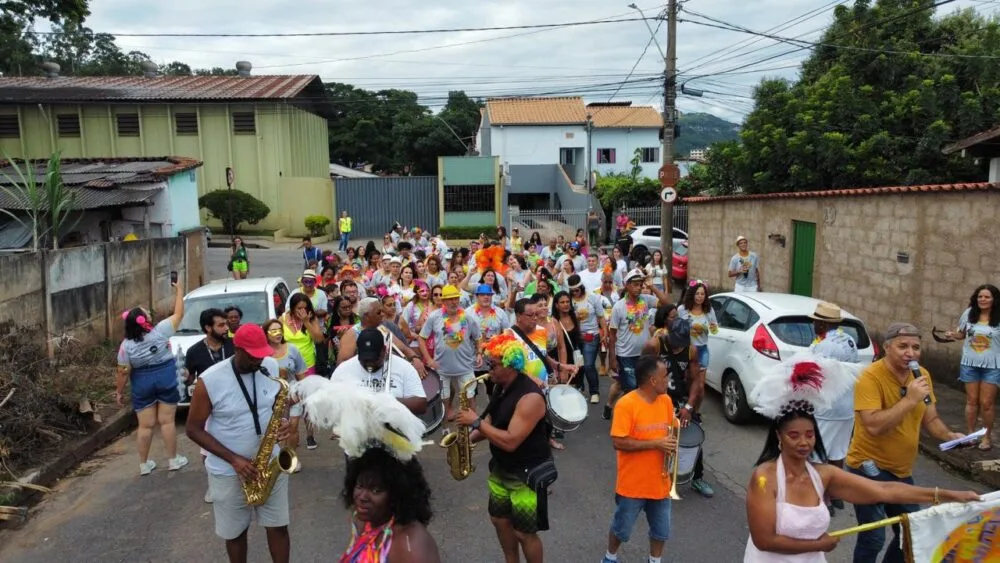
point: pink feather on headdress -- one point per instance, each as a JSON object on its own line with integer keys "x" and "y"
{"x": 804, "y": 379}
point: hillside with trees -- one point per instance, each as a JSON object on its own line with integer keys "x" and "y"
{"x": 701, "y": 130}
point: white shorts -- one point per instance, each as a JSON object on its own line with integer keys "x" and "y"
{"x": 459, "y": 380}
{"x": 233, "y": 514}
{"x": 836, "y": 436}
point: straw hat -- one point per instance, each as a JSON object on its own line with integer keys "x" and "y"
{"x": 827, "y": 313}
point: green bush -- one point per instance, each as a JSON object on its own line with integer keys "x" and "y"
{"x": 453, "y": 233}
{"x": 245, "y": 208}
{"x": 317, "y": 225}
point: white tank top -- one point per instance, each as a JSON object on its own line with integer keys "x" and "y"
{"x": 231, "y": 422}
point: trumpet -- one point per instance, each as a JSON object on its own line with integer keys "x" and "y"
{"x": 671, "y": 462}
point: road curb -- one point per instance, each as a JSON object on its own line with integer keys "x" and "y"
{"x": 967, "y": 468}
{"x": 52, "y": 471}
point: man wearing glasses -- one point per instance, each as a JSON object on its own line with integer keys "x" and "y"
{"x": 891, "y": 405}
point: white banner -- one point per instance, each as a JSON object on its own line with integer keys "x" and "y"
{"x": 957, "y": 532}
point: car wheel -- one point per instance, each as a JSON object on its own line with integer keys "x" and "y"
{"x": 734, "y": 399}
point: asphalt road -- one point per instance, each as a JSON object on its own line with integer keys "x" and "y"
{"x": 106, "y": 512}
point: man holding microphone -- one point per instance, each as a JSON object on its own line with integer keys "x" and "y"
{"x": 892, "y": 402}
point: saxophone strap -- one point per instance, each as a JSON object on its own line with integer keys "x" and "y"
{"x": 252, "y": 405}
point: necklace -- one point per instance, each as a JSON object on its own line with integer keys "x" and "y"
{"x": 452, "y": 332}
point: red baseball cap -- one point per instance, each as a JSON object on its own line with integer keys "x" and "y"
{"x": 251, "y": 338}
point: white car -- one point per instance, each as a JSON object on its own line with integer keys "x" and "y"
{"x": 260, "y": 299}
{"x": 757, "y": 331}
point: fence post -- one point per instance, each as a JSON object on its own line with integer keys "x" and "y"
{"x": 49, "y": 346}
{"x": 152, "y": 276}
{"x": 108, "y": 312}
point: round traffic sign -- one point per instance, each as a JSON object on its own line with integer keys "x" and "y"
{"x": 669, "y": 175}
{"x": 668, "y": 195}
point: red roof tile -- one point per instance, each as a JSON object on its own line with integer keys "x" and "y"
{"x": 141, "y": 88}
{"x": 853, "y": 192}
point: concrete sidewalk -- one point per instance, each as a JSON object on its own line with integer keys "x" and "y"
{"x": 978, "y": 465}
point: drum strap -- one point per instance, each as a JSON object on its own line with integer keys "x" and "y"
{"x": 524, "y": 338}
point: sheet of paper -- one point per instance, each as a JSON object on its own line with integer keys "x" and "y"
{"x": 975, "y": 436}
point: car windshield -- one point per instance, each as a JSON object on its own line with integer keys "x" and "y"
{"x": 799, "y": 331}
{"x": 253, "y": 305}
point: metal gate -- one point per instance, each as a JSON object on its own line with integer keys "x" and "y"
{"x": 375, "y": 203}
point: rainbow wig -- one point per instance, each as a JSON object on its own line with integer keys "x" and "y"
{"x": 506, "y": 350}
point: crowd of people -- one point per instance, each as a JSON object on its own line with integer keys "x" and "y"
{"x": 531, "y": 315}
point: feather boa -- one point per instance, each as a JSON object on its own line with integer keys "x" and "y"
{"x": 491, "y": 257}
{"x": 360, "y": 417}
{"x": 805, "y": 377}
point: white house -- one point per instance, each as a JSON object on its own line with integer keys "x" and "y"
{"x": 554, "y": 131}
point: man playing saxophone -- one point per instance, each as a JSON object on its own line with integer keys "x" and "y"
{"x": 641, "y": 434}
{"x": 230, "y": 416}
{"x": 521, "y": 466}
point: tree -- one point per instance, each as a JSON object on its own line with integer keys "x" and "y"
{"x": 233, "y": 207}
{"x": 872, "y": 107}
{"x": 47, "y": 205}
{"x": 18, "y": 43}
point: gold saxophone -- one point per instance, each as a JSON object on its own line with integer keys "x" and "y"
{"x": 258, "y": 490}
{"x": 458, "y": 443}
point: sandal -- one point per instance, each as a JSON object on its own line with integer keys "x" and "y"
{"x": 985, "y": 445}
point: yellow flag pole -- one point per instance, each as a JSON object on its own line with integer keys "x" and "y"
{"x": 867, "y": 527}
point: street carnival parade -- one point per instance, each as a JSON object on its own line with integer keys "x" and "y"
{"x": 248, "y": 316}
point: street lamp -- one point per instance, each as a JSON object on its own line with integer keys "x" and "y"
{"x": 652, "y": 33}
{"x": 468, "y": 152}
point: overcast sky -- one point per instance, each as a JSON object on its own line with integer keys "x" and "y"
{"x": 589, "y": 60}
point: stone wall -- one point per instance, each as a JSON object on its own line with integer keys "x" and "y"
{"x": 80, "y": 292}
{"x": 913, "y": 256}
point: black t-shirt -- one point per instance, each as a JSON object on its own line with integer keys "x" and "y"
{"x": 535, "y": 448}
{"x": 199, "y": 357}
{"x": 677, "y": 370}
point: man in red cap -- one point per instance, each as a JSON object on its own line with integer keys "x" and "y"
{"x": 231, "y": 407}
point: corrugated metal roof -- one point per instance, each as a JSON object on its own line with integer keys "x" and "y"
{"x": 105, "y": 173}
{"x": 85, "y": 198}
{"x": 141, "y": 88}
{"x": 346, "y": 172}
{"x": 537, "y": 111}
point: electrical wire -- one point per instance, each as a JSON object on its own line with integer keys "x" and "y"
{"x": 642, "y": 55}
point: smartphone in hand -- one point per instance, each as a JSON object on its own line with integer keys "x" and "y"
{"x": 173, "y": 278}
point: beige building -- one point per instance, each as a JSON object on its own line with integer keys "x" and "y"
{"x": 912, "y": 253}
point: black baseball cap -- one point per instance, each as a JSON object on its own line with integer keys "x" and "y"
{"x": 370, "y": 344}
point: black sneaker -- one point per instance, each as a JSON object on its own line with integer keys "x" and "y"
{"x": 311, "y": 443}
{"x": 606, "y": 414}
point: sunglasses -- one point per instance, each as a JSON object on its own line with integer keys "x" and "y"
{"x": 274, "y": 331}
{"x": 309, "y": 282}
{"x": 436, "y": 295}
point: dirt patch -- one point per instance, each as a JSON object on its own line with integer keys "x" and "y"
{"x": 48, "y": 404}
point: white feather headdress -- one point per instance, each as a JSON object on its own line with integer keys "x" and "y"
{"x": 803, "y": 382}
{"x": 360, "y": 417}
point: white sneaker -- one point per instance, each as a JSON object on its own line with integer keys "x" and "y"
{"x": 208, "y": 496}
{"x": 147, "y": 468}
{"x": 178, "y": 462}
{"x": 595, "y": 398}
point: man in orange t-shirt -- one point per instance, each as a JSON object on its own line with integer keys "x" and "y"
{"x": 640, "y": 433}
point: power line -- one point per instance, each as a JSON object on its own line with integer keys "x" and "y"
{"x": 642, "y": 55}
{"x": 361, "y": 33}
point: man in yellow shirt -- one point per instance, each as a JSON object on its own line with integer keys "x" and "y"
{"x": 891, "y": 405}
{"x": 344, "y": 228}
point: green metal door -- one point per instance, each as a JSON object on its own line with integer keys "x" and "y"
{"x": 803, "y": 257}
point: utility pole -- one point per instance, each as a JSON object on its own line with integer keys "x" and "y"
{"x": 669, "y": 173}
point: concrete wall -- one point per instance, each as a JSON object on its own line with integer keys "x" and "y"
{"x": 81, "y": 292}
{"x": 302, "y": 197}
{"x": 947, "y": 237}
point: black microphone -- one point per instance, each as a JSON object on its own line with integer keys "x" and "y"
{"x": 915, "y": 368}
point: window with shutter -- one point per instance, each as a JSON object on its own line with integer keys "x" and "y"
{"x": 244, "y": 123}
{"x": 186, "y": 123}
{"x": 128, "y": 124}
{"x": 68, "y": 124}
{"x": 10, "y": 127}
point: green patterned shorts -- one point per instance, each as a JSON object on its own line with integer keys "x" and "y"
{"x": 511, "y": 499}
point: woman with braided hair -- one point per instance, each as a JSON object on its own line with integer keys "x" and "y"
{"x": 787, "y": 515}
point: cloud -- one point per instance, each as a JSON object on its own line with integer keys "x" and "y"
{"x": 587, "y": 60}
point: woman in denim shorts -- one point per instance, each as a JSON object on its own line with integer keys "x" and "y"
{"x": 979, "y": 327}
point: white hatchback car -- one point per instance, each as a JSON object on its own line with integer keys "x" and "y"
{"x": 757, "y": 331}
{"x": 260, "y": 299}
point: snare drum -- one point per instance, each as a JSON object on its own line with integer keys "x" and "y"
{"x": 566, "y": 407}
{"x": 688, "y": 447}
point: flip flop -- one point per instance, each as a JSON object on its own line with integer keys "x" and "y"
{"x": 985, "y": 445}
